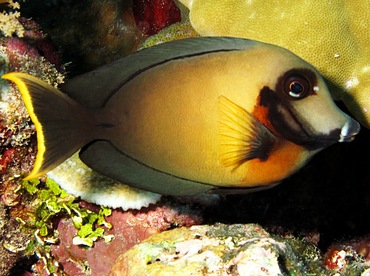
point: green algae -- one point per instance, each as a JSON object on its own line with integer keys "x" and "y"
{"x": 51, "y": 202}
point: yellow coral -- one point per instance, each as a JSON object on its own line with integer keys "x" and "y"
{"x": 9, "y": 23}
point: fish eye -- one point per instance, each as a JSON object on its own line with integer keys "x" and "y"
{"x": 297, "y": 87}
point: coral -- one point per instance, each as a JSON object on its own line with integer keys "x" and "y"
{"x": 9, "y": 23}
{"x": 117, "y": 28}
{"x": 176, "y": 31}
{"x": 90, "y": 33}
{"x": 235, "y": 249}
{"x": 349, "y": 256}
{"x": 13, "y": 241}
{"x": 17, "y": 141}
{"x": 79, "y": 180}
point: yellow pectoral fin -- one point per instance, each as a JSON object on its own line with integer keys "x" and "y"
{"x": 242, "y": 136}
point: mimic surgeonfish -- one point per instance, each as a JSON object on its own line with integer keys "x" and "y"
{"x": 190, "y": 116}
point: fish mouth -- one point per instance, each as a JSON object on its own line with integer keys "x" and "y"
{"x": 349, "y": 130}
{"x": 286, "y": 122}
{"x": 347, "y": 133}
{"x": 294, "y": 128}
{"x": 312, "y": 141}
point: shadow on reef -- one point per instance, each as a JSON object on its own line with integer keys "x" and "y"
{"x": 330, "y": 195}
{"x": 89, "y": 33}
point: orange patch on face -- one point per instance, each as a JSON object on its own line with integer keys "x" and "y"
{"x": 261, "y": 113}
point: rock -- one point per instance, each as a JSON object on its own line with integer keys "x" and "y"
{"x": 239, "y": 249}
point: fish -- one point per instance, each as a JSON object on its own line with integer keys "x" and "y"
{"x": 332, "y": 36}
{"x": 192, "y": 116}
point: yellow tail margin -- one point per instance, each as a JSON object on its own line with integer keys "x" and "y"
{"x": 54, "y": 116}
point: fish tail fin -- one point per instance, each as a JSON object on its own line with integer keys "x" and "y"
{"x": 59, "y": 121}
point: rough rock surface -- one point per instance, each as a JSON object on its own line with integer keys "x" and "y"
{"x": 215, "y": 250}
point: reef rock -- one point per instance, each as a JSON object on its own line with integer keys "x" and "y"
{"x": 239, "y": 249}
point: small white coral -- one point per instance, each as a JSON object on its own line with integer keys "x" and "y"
{"x": 9, "y": 23}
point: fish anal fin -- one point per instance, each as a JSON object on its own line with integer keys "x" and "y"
{"x": 104, "y": 157}
{"x": 242, "y": 136}
{"x": 240, "y": 191}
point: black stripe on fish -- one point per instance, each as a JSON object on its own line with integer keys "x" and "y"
{"x": 151, "y": 66}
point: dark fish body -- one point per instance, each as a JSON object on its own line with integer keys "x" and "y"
{"x": 191, "y": 116}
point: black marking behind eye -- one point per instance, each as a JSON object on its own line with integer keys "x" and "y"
{"x": 281, "y": 115}
{"x": 266, "y": 96}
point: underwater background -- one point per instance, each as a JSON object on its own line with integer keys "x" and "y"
{"x": 321, "y": 213}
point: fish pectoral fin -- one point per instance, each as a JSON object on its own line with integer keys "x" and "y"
{"x": 242, "y": 136}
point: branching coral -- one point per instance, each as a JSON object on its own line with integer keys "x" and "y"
{"x": 9, "y": 23}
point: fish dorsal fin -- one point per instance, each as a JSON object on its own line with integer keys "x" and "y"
{"x": 94, "y": 88}
{"x": 242, "y": 136}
